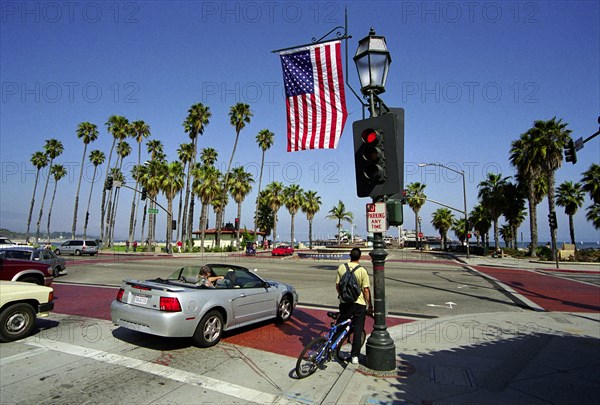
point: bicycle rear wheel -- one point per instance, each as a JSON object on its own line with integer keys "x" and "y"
{"x": 344, "y": 349}
{"x": 307, "y": 361}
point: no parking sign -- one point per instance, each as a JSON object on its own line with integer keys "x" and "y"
{"x": 376, "y": 217}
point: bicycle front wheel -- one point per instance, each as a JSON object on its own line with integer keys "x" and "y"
{"x": 308, "y": 360}
{"x": 344, "y": 350}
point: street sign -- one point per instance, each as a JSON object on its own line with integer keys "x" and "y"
{"x": 420, "y": 234}
{"x": 376, "y": 217}
{"x": 152, "y": 210}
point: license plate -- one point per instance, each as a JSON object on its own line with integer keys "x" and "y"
{"x": 140, "y": 300}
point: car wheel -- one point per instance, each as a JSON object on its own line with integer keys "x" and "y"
{"x": 57, "y": 252}
{"x": 77, "y": 253}
{"x": 56, "y": 271}
{"x": 209, "y": 330}
{"x": 30, "y": 279}
{"x": 285, "y": 309}
{"x": 16, "y": 322}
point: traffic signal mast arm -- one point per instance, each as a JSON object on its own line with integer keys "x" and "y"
{"x": 151, "y": 199}
{"x": 444, "y": 205}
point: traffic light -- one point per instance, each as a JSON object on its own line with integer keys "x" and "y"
{"x": 379, "y": 154}
{"x": 144, "y": 194}
{"x": 174, "y": 224}
{"x": 237, "y": 224}
{"x": 552, "y": 220}
{"x": 570, "y": 152}
{"x": 394, "y": 212}
{"x": 109, "y": 183}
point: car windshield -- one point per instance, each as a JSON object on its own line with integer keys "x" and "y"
{"x": 6, "y": 241}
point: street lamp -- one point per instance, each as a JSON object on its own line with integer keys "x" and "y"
{"x": 462, "y": 173}
{"x": 372, "y": 61}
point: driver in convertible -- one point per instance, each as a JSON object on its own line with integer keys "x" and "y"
{"x": 207, "y": 279}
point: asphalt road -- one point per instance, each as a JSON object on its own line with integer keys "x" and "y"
{"x": 417, "y": 284}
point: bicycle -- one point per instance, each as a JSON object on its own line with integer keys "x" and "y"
{"x": 336, "y": 342}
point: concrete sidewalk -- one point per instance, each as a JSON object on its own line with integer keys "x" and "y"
{"x": 500, "y": 358}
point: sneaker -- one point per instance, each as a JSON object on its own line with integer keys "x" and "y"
{"x": 354, "y": 360}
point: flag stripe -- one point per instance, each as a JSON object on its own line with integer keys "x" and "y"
{"x": 316, "y": 103}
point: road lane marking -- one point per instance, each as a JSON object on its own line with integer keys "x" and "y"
{"x": 21, "y": 356}
{"x": 223, "y": 387}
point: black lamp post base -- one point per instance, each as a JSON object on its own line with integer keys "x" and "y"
{"x": 381, "y": 351}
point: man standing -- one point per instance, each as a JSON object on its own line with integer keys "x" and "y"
{"x": 356, "y": 310}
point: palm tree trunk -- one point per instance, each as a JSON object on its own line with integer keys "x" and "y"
{"x": 552, "y": 208}
{"x": 144, "y": 221}
{"x": 103, "y": 204}
{"x": 292, "y": 230}
{"x": 135, "y": 201}
{"x": 50, "y": 210}
{"x": 496, "y": 234}
{"x": 572, "y": 230}
{"x": 169, "y": 224}
{"x": 532, "y": 222}
{"x": 37, "y": 234}
{"x": 184, "y": 218}
{"x": 37, "y": 174}
{"x": 179, "y": 215}
{"x": 87, "y": 210}
{"x": 274, "y": 228}
{"x": 203, "y": 214}
{"x": 310, "y": 243}
{"x": 74, "y": 227}
{"x": 237, "y": 231}
{"x": 262, "y": 165}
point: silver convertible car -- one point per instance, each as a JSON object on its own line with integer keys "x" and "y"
{"x": 180, "y": 307}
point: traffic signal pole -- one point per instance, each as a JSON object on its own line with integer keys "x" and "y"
{"x": 380, "y": 347}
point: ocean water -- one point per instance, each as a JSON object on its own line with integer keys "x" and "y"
{"x": 580, "y": 245}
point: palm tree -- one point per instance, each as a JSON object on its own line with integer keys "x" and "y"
{"x": 591, "y": 182}
{"x": 416, "y": 199}
{"x": 88, "y": 132}
{"x": 219, "y": 203}
{"x": 118, "y": 127}
{"x": 459, "y": 227}
{"x": 339, "y": 213}
{"x": 274, "y": 199}
{"x": 194, "y": 124}
{"x": 480, "y": 219}
{"x": 514, "y": 210}
{"x": 266, "y": 217}
{"x": 570, "y": 196}
{"x": 39, "y": 160}
{"x": 442, "y": 220}
{"x": 53, "y": 148}
{"x": 123, "y": 150}
{"x": 139, "y": 131}
{"x": 265, "y": 140}
{"x": 239, "y": 116}
{"x": 549, "y": 139}
{"x": 506, "y": 233}
{"x": 58, "y": 172}
{"x": 171, "y": 182}
{"x": 155, "y": 148}
{"x": 523, "y": 158}
{"x": 239, "y": 187}
{"x": 185, "y": 154}
{"x": 491, "y": 193}
{"x": 292, "y": 198}
{"x": 206, "y": 186}
{"x": 593, "y": 215}
{"x": 310, "y": 206}
{"x": 208, "y": 156}
{"x": 97, "y": 158}
{"x": 150, "y": 178}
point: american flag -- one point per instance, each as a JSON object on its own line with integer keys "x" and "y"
{"x": 315, "y": 98}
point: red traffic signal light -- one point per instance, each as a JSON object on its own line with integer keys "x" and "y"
{"x": 379, "y": 154}
{"x": 372, "y": 153}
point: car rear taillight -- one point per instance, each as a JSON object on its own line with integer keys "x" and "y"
{"x": 50, "y": 296}
{"x": 120, "y": 294}
{"x": 169, "y": 304}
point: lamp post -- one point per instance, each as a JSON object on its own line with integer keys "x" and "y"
{"x": 372, "y": 61}
{"x": 462, "y": 173}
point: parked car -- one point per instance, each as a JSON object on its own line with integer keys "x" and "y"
{"x": 282, "y": 250}
{"x": 78, "y": 247}
{"x": 180, "y": 306}
{"x": 20, "y": 304}
{"x": 25, "y": 271}
{"x": 46, "y": 256}
{"x": 5, "y": 242}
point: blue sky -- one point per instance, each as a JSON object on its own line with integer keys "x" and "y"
{"x": 471, "y": 76}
